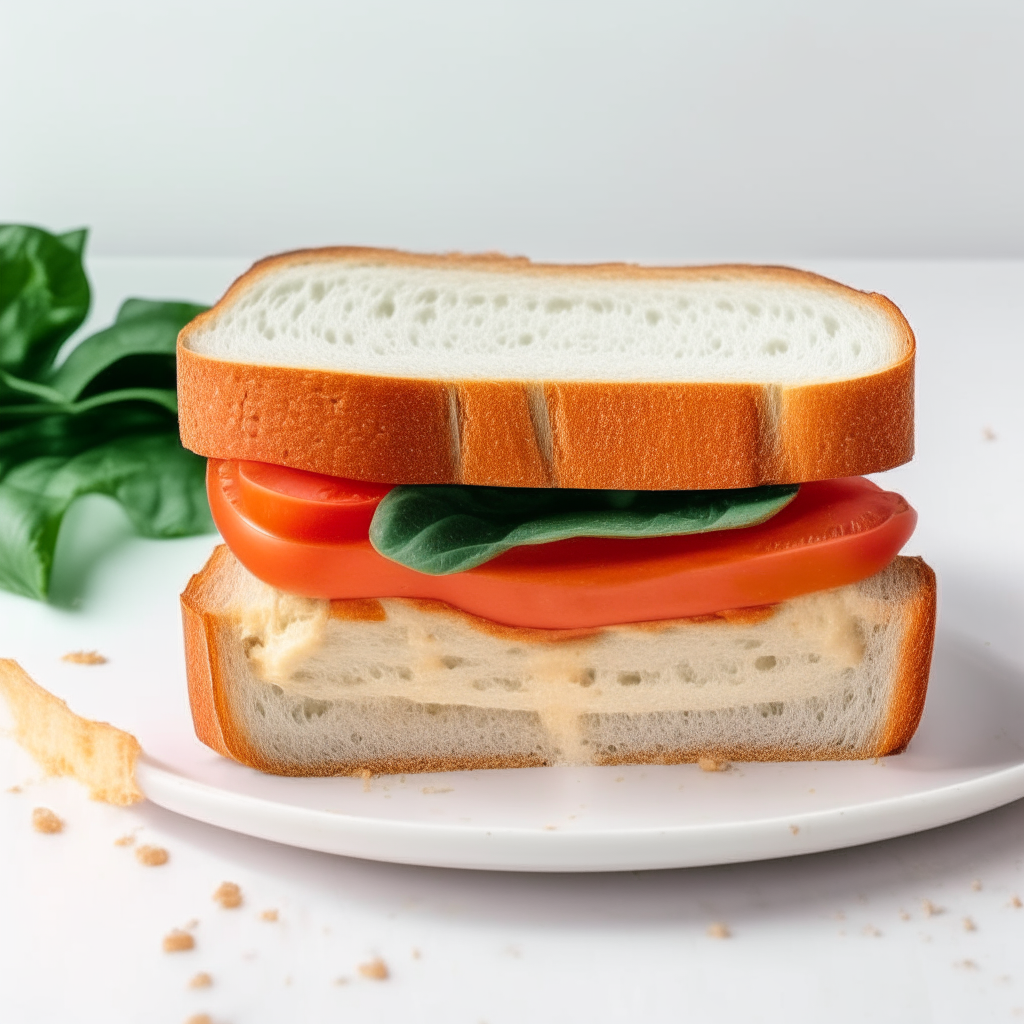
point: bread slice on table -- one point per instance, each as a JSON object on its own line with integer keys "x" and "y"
{"x": 385, "y": 366}
{"x": 297, "y": 686}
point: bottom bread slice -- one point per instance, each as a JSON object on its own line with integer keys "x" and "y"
{"x": 297, "y": 686}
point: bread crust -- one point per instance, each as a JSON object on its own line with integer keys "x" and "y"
{"x": 634, "y": 435}
{"x": 217, "y": 727}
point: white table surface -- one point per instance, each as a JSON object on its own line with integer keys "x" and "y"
{"x": 843, "y": 936}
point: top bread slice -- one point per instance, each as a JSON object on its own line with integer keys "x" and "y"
{"x": 386, "y": 366}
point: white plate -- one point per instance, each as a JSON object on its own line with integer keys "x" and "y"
{"x": 967, "y": 757}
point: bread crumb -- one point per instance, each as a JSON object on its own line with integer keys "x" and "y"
{"x": 268, "y": 915}
{"x": 200, "y": 980}
{"x": 839, "y": 915}
{"x": 228, "y": 895}
{"x": 988, "y": 434}
{"x": 178, "y": 941}
{"x": 366, "y": 775}
{"x": 14, "y": 789}
{"x": 44, "y": 820}
{"x": 341, "y": 981}
{"x": 200, "y": 1018}
{"x": 415, "y": 953}
{"x": 904, "y": 916}
{"x": 128, "y": 840}
{"x": 63, "y": 743}
{"x": 1016, "y": 903}
{"x": 375, "y": 969}
{"x": 550, "y": 828}
{"x": 968, "y": 965}
{"x": 152, "y": 856}
{"x": 969, "y": 925}
{"x": 930, "y": 909}
{"x": 709, "y": 764}
{"x": 795, "y": 829}
{"x": 437, "y": 789}
{"x": 976, "y": 885}
{"x": 84, "y": 658}
{"x": 719, "y": 931}
{"x": 871, "y": 930}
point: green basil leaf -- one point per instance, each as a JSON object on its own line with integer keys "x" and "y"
{"x": 444, "y": 529}
{"x": 138, "y": 350}
{"x": 66, "y": 436}
{"x": 44, "y": 296}
{"x": 160, "y": 485}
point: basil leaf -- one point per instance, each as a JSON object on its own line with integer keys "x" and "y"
{"x": 44, "y": 296}
{"x": 138, "y": 350}
{"x": 160, "y": 485}
{"x": 444, "y": 529}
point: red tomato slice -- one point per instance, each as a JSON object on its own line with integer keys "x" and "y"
{"x": 833, "y": 533}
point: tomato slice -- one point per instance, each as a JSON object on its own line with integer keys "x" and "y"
{"x": 307, "y": 506}
{"x": 833, "y": 533}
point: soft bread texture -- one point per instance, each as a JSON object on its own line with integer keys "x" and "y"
{"x": 378, "y": 365}
{"x": 298, "y": 686}
{"x": 99, "y": 755}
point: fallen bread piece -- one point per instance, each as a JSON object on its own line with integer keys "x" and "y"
{"x": 299, "y": 686}
{"x": 98, "y": 755}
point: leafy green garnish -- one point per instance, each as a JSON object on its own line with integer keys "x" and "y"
{"x": 102, "y": 422}
{"x": 444, "y": 529}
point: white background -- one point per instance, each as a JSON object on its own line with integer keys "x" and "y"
{"x": 578, "y": 130}
{"x": 781, "y": 131}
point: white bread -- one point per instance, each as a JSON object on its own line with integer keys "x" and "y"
{"x": 99, "y": 755}
{"x": 385, "y": 366}
{"x": 298, "y": 686}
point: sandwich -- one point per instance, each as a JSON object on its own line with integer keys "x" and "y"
{"x": 485, "y": 513}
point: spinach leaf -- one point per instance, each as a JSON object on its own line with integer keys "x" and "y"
{"x": 104, "y": 422}
{"x": 44, "y": 296}
{"x": 444, "y": 529}
{"x": 160, "y": 485}
{"x": 140, "y": 345}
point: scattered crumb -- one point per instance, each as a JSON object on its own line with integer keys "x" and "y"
{"x": 288, "y": 979}
{"x": 228, "y": 895}
{"x": 375, "y": 969}
{"x": 930, "y": 909}
{"x": 810, "y": 791}
{"x": 871, "y": 930}
{"x": 839, "y": 915}
{"x": 415, "y": 953}
{"x": 877, "y": 760}
{"x": 152, "y": 856}
{"x": 1016, "y": 903}
{"x": 437, "y": 789}
{"x": 200, "y": 980}
{"x": 621, "y": 778}
{"x": 719, "y": 931}
{"x": 63, "y": 743}
{"x": 84, "y": 658}
{"x": 128, "y": 840}
{"x": 200, "y": 1018}
{"x": 969, "y": 925}
{"x": 904, "y": 916}
{"x": 976, "y": 885}
{"x": 268, "y": 915}
{"x": 967, "y": 965}
{"x": 709, "y": 764}
{"x": 14, "y": 789}
{"x": 795, "y": 829}
{"x": 194, "y": 923}
{"x": 366, "y": 775}
{"x": 988, "y": 434}
{"x": 341, "y": 981}
{"x": 550, "y": 828}
{"x": 44, "y": 820}
{"x": 178, "y": 941}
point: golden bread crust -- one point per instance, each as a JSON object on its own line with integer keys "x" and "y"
{"x": 634, "y": 435}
